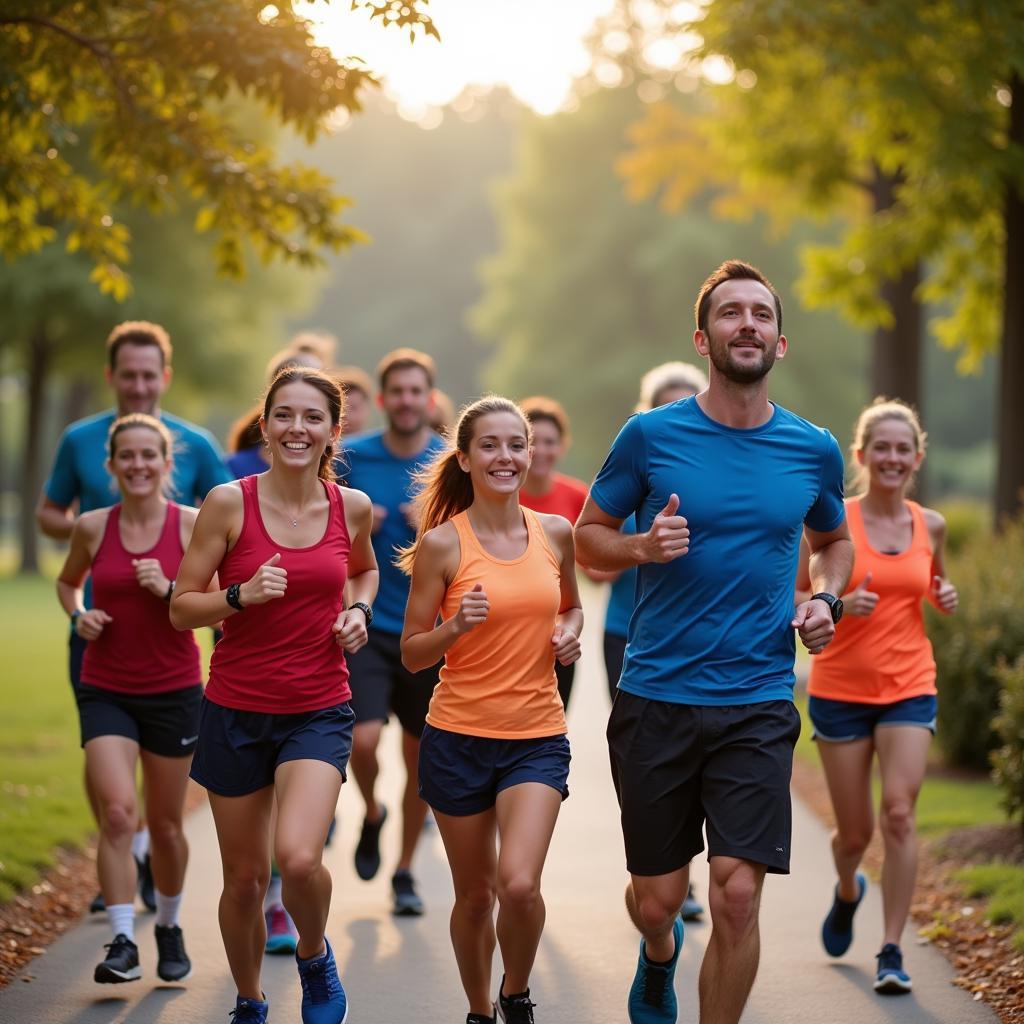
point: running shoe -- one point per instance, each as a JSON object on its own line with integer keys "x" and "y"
{"x": 652, "y": 996}
{"x": 98, "y": 905}
{"x": 323, "y": 996}
{"x": 368, "y": 847}
{"x": 121, "y": 963}
{"x": 172, "y": 962}
{"x": 147, "y": 890}
{"x": 249, "y": 1011}
{"x": 407, "y": 902}
{"x": 282, "y": 936}
{"x": 515, "y": 1009}
{"x": 692, "y": 908}
{"x": 476, "y": 1018}
{"x": 891, "y": 978}
{"x": 837, "y": 929}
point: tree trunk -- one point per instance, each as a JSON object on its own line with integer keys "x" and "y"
{"x": 1010, "y": 412}
{"x": 40, "y": 357}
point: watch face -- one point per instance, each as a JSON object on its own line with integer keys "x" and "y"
{"x": 837, "y": 609}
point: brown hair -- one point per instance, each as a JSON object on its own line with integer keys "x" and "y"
{"x": 406, "y": 359}
{"x": 444, "y": 488}
{"x": 138, "y": 332}
{"x": 878, "y": 411}
{"x": 732, "y": 270}
{"x": 328, "y": 388}
{"x": 245, "y": 431}
{"x": 540, "y": 407}
{"x": 669, "y": 377}
{"x": 442, "y": 415}
{"x": 139, "y": 419}
{"x": 351, "y": 378}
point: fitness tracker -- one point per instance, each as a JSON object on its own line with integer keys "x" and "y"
{"x": 365, "y": 609}
{"x": 835, "y": 605}
{"x": 232, "y": 598}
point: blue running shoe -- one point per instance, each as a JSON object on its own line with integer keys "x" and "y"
{"x": 837, "y": 929}
{"x": 692, "y": 908}
{"x": 891, "y": 979}
{"x": 249, "y": 1011}
{"x": 323, "y": 997}
{"x": 652, "y": 996}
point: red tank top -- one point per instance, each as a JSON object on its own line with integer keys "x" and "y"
{"x": 281, "y": 657}
{"x": 140, "y": 652}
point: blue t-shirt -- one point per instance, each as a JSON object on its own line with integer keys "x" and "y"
{"x": 368, "y": 466}
{"x": 79, "y": 469}
{"x": 713, "y": 626}
{"x": 246, "y": 462}
{"x": 622, "y": 595}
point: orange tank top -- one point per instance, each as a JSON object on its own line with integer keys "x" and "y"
{"x": 498, "y": 680}
{"x": 886, "y": 656}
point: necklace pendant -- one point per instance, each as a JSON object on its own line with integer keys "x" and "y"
{"x": 295, "y": 522}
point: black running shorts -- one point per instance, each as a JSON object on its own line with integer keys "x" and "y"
{"x": 163, "y": 723}
{"x": 679, "y": 766}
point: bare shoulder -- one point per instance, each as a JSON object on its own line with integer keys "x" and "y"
{"x": 440, "y": 542}
{"x": 357, "y": 501}
{"x": 935, "y": 521}
{"x": 557, "y": 528}
{"x": 188, "y": 514}
{"x": 90, "y": 525}
{"x": 224, "y": 497}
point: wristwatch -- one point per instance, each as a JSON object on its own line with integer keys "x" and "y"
{"x": 232, "y": 598}
{"x": 170, "y": 592}
{"x": 835, "y": 604}
{"x": 365, "y": 609}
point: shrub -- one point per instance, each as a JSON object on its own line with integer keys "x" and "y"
{"x": 986, "y": 631}
{"x": 1008, "y": 760}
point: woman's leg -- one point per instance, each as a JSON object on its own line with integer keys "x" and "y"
{"x": 307, "y": 796}
{"x": 243, "y": 833}
{"x": 526, "y": 820}
{"x": 848, "y": 774}
{"x": 110, "y": 768}
{"x": 469, "y": 842}
{"x": 902, "y": 757}
{"x": 164, "y": 782}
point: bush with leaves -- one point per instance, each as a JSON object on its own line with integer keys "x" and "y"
{"x": 987, "y": 631}
{"x": 1008, "y": 760}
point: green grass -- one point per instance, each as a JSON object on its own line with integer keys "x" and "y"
{"x": 1003, "y": 886}
{"x": 42, "y": 803}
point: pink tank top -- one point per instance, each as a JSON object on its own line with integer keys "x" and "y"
{"x": 281, "y": 657}
{"x": 140, "y": 652}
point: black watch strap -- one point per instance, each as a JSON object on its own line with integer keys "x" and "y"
{"x": 835, "y": 606}
{"x": 365, "y": 609}
{"x": 232, "y": 598}
{"x": 170, "y": 592}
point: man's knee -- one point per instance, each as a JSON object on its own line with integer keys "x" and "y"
{"x": 735, "y": 895}
{"x": 654, "y": 903}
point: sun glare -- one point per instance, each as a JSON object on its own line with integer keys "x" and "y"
{"x": 533, "y": 47}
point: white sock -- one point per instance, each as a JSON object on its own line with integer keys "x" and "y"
{"x": 122, "y": 919}
{"x": 273, "y": 897}
{"x": 140, "y": 843}
{"x": 167, "y": 908}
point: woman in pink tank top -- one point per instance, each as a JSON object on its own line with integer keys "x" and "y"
{"x": 872, "y": 691}
{"x": 141, "y": 687}
{"x": 494, "y": 757}
{"x": 286, "y": 547}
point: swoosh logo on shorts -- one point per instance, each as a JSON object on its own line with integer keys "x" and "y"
{"x": 189, "y": 739}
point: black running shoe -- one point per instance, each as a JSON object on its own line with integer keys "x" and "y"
{"x": 172, "y": 962}
{"x": 368, "y": 847}
{"x": 476, "y": 1018}
{"x": 121, "y": 964}
{"x": 407, "y": 902}
{"x": 515, "y": 1009}
{"x": 98, "y": 905}
{"x": 147, "y": 890}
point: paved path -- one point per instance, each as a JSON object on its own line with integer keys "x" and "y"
{"x": 403, "y": 970}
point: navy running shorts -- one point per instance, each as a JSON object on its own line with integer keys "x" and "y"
{"x": 162, "y": 723}
{"x": 462, "y": 775}
{"x": 381, "y": 683}
{"x": 679, "y": 767}
{"x": 840, "y": 721}
{"x": 239, "y": 751}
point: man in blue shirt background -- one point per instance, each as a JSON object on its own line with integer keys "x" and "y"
{"x": 703, "y": 727}
{"x": 383, "y": 463}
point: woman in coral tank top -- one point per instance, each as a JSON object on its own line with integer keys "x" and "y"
{"x": 141, "y": 687}
{"x": 494, "y": 758}
{"x": 275, "y": 719}
{"x": 872, "y": 690}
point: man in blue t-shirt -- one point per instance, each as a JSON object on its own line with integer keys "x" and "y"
{"x": 138, "y": 370}
{"x": 723, "y": 486}
{"x": 383, "y": 464}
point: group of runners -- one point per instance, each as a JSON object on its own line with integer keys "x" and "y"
{"x": 355, "y": 575}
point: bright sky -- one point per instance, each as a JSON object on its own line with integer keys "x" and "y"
{"x": 534, "y": 47}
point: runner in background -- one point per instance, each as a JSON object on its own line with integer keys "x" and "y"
{"x": 442, "y": 415}
{"x": 140, "y": 689}
{"x": 872, "y": 691}
{"x": 357, "y": 387}
{"x": 494, "y": 759}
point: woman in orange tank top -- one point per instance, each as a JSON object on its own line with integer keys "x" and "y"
{"x": 494, "y": 757}
{"x": 873, "y": 689}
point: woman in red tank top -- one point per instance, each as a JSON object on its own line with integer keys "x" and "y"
{"x": 494, "y": 757}
{"x": 141, "y": 687}
{"x": 286, "y": 546}
{"x": 872, "y": 691}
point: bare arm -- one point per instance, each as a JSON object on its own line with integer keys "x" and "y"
{"x": 56, "y": 521}
{"x": 85, "y": 539}
{"x": 600, "y": 544}
{"x": 363, "y": 576}
{"x": 942, "y": 594}
{"x": 569, "y": 623}
{"x": 424, "y": 642}
{"x": 829, "y": 563}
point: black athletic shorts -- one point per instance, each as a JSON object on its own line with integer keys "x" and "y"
{"x": 162, "y": 723}
{"x": 381, "y": 683}
{"x": 614, "y": 657}
{"x": 679, "y": 766}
